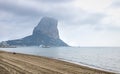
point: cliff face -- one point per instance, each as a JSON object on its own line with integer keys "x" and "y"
{"x": 45, "y": 33}
{"x": 47, "y": 26}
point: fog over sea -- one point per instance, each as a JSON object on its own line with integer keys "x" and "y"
{"x": 105, "y": 58}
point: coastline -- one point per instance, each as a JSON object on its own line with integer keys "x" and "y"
{"x": 13, "y": 63}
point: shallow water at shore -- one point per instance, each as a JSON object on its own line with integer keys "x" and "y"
{"x": 101, "y": 57}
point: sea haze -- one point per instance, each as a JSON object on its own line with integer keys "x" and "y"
{"x": 107, "y": 58}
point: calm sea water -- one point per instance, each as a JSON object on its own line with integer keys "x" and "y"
{"x": 107, "y": 58}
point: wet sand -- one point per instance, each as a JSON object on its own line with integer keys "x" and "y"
{"x": 16, "y": 63}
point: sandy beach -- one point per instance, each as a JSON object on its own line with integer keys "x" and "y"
{"x": 16, "y": 63}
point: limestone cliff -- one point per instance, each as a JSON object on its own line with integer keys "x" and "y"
{"x": 47, "y": 26}
{"x": 45, "y": 33}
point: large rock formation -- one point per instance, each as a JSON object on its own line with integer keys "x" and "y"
{"x": 45, "y": 33}
{"x": 47, "y": 26}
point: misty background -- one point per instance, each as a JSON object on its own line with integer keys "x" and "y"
{"x": 81, "y": 22}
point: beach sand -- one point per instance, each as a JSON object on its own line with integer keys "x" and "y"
{"x": 16, "y": 63}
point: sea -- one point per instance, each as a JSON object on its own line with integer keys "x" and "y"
{"x": 104, "y": 58}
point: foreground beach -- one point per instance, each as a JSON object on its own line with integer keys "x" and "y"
{"x": 16, "y": 63}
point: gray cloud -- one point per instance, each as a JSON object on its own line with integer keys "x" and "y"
{"x": 60, "y": 11}
{"x": 68, "y": 14}
{"x": 19, "y": 9}
{"x": 86, "y": 19}
{"x": 55, "y": 1}
{"x": 116, "y": 4}
{"x": 56, "y": 10}
{"x": 92, "y": 19}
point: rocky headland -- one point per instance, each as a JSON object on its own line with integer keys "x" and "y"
{"x": 45, "y": 33}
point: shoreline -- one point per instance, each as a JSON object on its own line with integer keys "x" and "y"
{"x": 88, "y": 65}
{"x": 31, "y": 64}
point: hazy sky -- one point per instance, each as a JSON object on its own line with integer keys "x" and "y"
{"x": 81, "y": 22}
